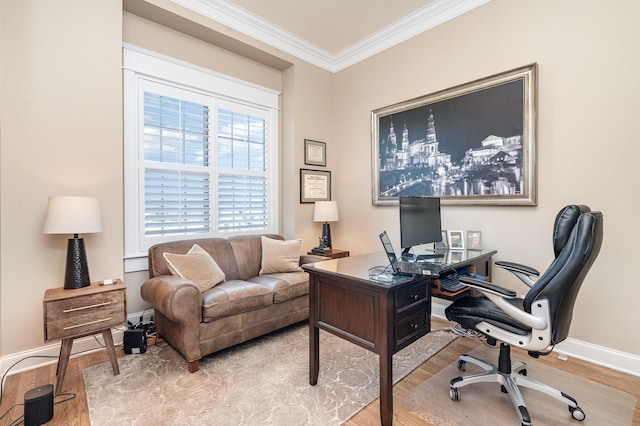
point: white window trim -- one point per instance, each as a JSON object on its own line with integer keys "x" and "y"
{"x": 139, "y": 63}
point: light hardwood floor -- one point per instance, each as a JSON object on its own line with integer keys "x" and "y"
{"x": 74, "y": 412}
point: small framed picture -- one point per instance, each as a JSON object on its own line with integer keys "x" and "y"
{"x": 315, "y": 185}
{"x": 315, "y": 153}
{"x": 474, "y": 240}
{"x": 456, "y": 240}
{"x": 443, "y": 244}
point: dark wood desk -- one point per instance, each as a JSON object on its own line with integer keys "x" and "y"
{"x": 378, "y": 315}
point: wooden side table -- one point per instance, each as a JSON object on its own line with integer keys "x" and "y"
{"x": 333, "y": 253}
{"x": 70, "y": 314}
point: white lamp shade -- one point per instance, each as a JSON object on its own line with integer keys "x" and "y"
{"x": 72, "y": 215}
{"x": 326, "y": 211}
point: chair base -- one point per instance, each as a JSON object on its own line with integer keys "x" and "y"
{"x": 510, "y": 376}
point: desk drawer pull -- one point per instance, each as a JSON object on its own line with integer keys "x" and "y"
{"x": 87, "y": 323}
{"x": 97, "y": 305}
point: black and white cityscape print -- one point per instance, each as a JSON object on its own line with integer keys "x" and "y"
{"x": 470, "y": 145}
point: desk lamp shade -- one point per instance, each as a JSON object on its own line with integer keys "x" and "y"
{"x": 326, "y": 211}
{"x": 74, "y": 215}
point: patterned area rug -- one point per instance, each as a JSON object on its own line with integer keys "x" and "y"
{"x": 486, "y": 405}
{"x": 262, "y": 382}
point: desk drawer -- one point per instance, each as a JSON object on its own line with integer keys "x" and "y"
{"x": 84, "y": 314}
{"x": 412, "y": 328}
{"x": 411, "y": 297}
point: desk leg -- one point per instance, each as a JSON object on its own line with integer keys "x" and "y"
{"x": 314, "y": 333}
{"x": 314, "y": 354}
{"x": 386, "y": 389}
{"x": 63, "y": 361}
{"x": 111, "y": 350}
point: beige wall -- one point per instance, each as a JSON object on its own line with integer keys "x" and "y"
{"x": 61, "y": 134}
{"x": 587, "y": 138}
{"x": 60, "y": 117}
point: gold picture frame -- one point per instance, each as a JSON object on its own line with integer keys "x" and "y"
{"x": 472, "y": 144}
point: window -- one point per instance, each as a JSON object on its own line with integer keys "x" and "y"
{"x": 199, "y": 162}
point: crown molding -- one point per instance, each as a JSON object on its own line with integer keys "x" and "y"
{"x": 239, "y": 19}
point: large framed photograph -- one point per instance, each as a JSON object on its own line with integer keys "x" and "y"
{"x": 470, "y": 144}
{"x": 315, "y": 185}
{"x": 315, "y": 153}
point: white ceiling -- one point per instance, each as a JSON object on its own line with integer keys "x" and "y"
{"x": 332, "y": 34}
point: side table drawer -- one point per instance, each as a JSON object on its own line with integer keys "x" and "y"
{"x": 86, "y": 314}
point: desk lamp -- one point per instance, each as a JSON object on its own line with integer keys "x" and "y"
{"x": 74, "y": 215}
{"x": 326, "y": 211}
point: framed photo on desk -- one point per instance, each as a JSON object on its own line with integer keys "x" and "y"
{"x": 474, "y": 240}
{"x": 456, "y": 240}
{"x": 443, "y": 243}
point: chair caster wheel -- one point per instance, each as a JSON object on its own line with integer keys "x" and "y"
{"x": 462, "y": 365}
{"x": 503, "y": 389}
{"x": 523, "y": 372}
{"x": 577, "y": 413}
{"x": 454, "y": 394}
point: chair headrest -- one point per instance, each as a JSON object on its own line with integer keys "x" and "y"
{"x": 565, "y": 221}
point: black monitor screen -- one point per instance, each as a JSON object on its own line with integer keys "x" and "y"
{"x": 419, "y": 221}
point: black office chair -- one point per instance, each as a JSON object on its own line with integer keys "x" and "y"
{"x": 536, "y": 322}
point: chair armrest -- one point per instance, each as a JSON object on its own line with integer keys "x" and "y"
{"x": 486, "y": 286}
{"x": 500, "y": 295}
{"x": 517, "y": 267}
{"x": 176, "y": 298}
{"x": 523, "y": 272}
{"x": 312, "y": 258}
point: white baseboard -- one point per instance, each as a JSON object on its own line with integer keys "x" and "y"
{"x": 606, "y": 357}
{"x": 44, "y": 355}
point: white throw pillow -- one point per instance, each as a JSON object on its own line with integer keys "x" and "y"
{"x": 197, "y": 265}
{"x": 280, "y": 256}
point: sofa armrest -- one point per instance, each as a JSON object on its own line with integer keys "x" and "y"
{"x": 312, "y": 258}
{"x": 176, "y": 298}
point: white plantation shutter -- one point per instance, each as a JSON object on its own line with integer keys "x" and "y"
{"x": 176, "y": 203}
{"x": 242, "y": 203}
{"x": 242, "y": 189}
{"x": 197, "y": 163}
{"x": 176, "y": 167}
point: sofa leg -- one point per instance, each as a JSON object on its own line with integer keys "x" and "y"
{"x": 194, "y": 366}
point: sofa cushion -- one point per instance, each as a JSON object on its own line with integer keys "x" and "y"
{"x": 234, "y": 297}
{"x": 280, "y": 256}
{"x": 197, "y": 265}
{"x": 247, "y": 252}
{"x": 285, "y": 286}
{"x": 219, "y": 249}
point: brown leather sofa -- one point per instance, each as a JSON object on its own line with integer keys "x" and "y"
{"x": 246, "y": 305}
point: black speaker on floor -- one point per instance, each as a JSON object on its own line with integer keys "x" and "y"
{"x": 38, "y": 405}
{"x": 135, "y": 341}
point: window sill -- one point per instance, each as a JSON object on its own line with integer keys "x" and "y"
{"x": 135, "y": 264}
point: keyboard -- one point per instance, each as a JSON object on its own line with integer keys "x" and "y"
{"x": 450, "y": 282}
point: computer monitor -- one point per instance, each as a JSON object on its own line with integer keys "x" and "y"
{"x": 419, "y": 223}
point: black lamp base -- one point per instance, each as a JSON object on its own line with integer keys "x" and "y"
{"x": 326, "y": 234}
{"x": 77, "y": 272}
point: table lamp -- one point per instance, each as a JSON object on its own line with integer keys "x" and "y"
{"x": 74, "y": 215}
{"x": 326, "y": 211}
